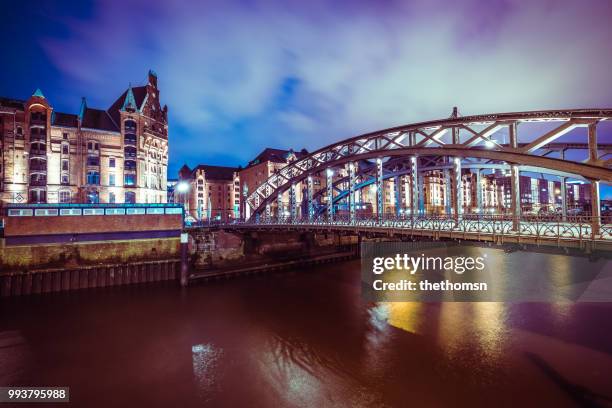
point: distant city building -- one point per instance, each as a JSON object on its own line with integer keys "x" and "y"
{"x": 115, "y": 155}
{"x": 209, "y": 193}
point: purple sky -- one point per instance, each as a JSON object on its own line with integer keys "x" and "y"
{"x": 240, "y": 76}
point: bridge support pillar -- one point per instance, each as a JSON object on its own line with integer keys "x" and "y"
{"x": 330, "y": 194}
{"x": 563, "y": 195}
{"x": 407, "y": 194}
{"x": 268, "y": 212}
{"x": 593, "y": 158}
{"x": 515, "y": 196}
{"x": 458, "y": 191}
{"x": 351, "y": 197}
{"x": 421, "y": 195}
{"x": 257, "y": 201}
{"x": 292, "y": 203}
{"x": 479, "y": 209}
{"x": 447, "y": 193}
{"x": 309, "y": 194}
{"x": 595, "y": 209}
{"x": 414, "y": 184}
{"x": 279, "y": 208}
{"x": 397, "y": 188}
{"x": 380, "y": 191}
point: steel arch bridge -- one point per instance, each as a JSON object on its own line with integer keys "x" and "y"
{"x": 482, "y": 142}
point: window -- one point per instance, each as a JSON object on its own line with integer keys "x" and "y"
{"x": 65, "y": 179}
{"x": 93, "y": 160}
{"x": 130, "y": 197}
{"x": 130, "y": 126}
{"x": 129, "y": 179}
{"x": 37, "y": 179}
{"x": 89, "y": 146}
{"x": 65, "y": 148}
{"x": 111, "y": 162}
{"x": 19, "y": 131}
{"x": 96, "y": 146}
{"x": 130, "y": 139}
{"x": 111, "y": 197}
{"x": 38, "y": 196}
{"x": 65, "y": 165}
{"x": 130, "y": 152}
{"x": 65, "y": 136}
{"x": 64, "y": 196}
{"x": 111, "y": 179}
{"x": 93, "y": 177}
{"x": 129, "y": 165}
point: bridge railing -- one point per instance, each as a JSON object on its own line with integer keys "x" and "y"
{"x": 576, "y": 227}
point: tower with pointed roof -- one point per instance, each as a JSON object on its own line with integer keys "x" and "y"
{"x": 113, "y": 155}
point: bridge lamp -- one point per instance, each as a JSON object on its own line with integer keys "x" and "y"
{"x": 489, "y": 144}
{"x": 330, "y": 172}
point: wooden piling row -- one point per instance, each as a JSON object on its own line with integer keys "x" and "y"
{"x": 99, "y": 276}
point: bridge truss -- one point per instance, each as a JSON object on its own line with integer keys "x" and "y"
{"x": 453, "y": 146}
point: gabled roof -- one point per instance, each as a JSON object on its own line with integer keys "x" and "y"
{"x": 217, "y": 172}
{"x": 98, "y": 119}
{"x": 276, "y": 156}
{"x": 139, "y": 94}
{"x": 12, "y": 103}
{"x": 64, "y": 119}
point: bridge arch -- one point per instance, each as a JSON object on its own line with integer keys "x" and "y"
{"x": 458, "y": 138}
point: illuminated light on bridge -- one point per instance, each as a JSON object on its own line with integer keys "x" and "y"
{"x": 452, "y": 146}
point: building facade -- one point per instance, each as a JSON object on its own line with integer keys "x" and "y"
{"x": 209, "y": 193}
{"x": 117, "y": 155}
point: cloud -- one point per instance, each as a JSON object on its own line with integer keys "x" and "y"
{"x": 223, "y": 66}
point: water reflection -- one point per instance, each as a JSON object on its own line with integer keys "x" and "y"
{"x": 205, "y": 360}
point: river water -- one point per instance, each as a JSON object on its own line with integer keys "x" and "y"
{"x": 303, "y": 338}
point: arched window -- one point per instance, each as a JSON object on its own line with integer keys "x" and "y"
{"x": 130, "y": 197}
{"x": 130, "y": 139}
{"x": 129, "y": 126}
{"x": 130, "y": 153}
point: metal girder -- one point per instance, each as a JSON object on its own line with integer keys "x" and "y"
{"x": 554, "y": 134}
{"x": 401, "y": 141}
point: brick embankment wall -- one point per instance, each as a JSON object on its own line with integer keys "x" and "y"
{"x": 25, "y": 258}
{"x": 219, "y": 249}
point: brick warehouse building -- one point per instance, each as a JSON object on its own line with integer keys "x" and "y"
{"x": 209, "y": 193}
{"x": 115, "y": 155}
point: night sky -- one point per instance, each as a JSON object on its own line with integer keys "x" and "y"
{"x": 240, "y": 76}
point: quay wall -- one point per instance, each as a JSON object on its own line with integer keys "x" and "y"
{"x": 23, "y": 258}
{"x": 87, "y": 277}
{"x": 60, "y": 266}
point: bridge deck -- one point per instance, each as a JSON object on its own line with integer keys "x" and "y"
{"x": 559, "y": 234}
